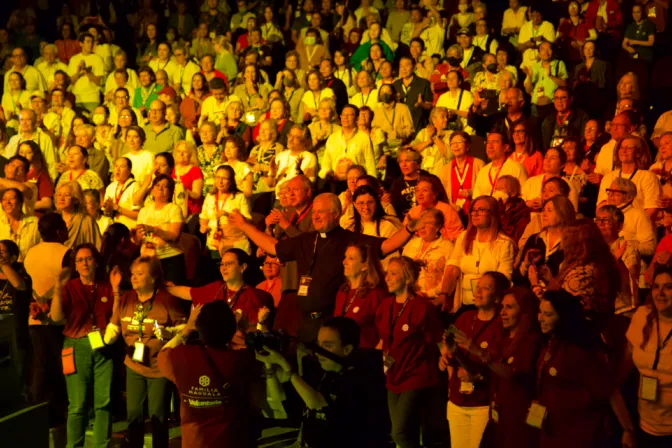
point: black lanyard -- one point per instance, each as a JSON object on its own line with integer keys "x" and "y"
{"x": 620, "y": 174}
{"x": 660, "y": 345}
{"x": 394, "y": 322}
{"x": 145, "y": 309}
{"x": 483, "y": 328}
{"x": 348, "y": 304}
{"x": 232, "y": 301}
{"x": 92, "y": 304}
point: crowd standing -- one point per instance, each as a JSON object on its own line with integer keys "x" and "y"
{"x": 417, "y": 223}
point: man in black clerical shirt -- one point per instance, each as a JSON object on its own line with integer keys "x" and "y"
{"x": 344, "y": 397}
{"x": 335, "y": 84}
{"x": 319, "y": 255}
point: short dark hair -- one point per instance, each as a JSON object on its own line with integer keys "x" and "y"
{"x": 562, "y": 184}
{"x": 17, "y": 192}
{"x": 348, "y": 330}
{"x": 504, "y": 135}
{"x": 217, "y": 83}
{"x": 49, "y": 226}
{"x": 241, "y": 255}
{"x": 11, "y": 247}
{"x": 23, "y": 160}
{"x": 171, "y": 184}
{"x": 85, "y": 35}
{"x": 216, "y": 324}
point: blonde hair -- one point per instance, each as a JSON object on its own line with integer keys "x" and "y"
{"x": 191, "y": 149}
{"x": 75, "y": 193}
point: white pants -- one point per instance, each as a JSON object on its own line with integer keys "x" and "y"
{"x": 467, "y": 425}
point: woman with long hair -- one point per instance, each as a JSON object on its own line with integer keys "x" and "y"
{"x": 222, "y": 199}
{"x": 430, "y": 251}
{"x": 289, "y": 85}
{"x": 142, "y": 317}
{"x": 370, "y": 217}
{"x": 85, "y": 302}
{"x": 411, "y": 332}
{"x": 586, "y": 271}
{"x": 367, "y": 94}
{"x": 190, "y": 107}
{"x": 525, "y": 150}
{"x": 325, "y": 125}
{"x": 82, "y": 228}
{"x": 236, "y": 156}
{"x": 649, "y": 350}
{"x": 39, "y": 175}
{"x": 477, "y": 336}
{"x": 118, "y": 250}
{"x": 344, "y": 72}
{"x": 481, "y": 248}
{"x": 159, "y": 227}
{"x": 573, "y": 381}
{"x": 362, "y": 292}
{"x": 541, "y": 251}
{"x": 253, "y": 93}
{"x": 15, "y": 98}
{"x": 66, "y": 45}
{"x": 315, "y": 92}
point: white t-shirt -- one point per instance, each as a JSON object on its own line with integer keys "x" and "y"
{"x": 214, "y": 203}
{"x": 527, "y": 33}
{"x": 487, "y": 177}
{"x": 123, "y": 196}
{"x": 310, "y": 100}
{"x": 143, "y": 164}
{"x": 84, "y": 90}
{"x": 371, "y": 99}
{"x": 169, "y": 67}
{"x": 211, "y": 111}
{"x": 169, "y": 214}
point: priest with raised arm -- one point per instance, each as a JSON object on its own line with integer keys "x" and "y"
{"x": 319, "y": 255}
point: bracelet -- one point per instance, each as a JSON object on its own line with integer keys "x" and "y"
{"x": 409, "y": 230}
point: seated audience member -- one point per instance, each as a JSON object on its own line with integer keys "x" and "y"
{"x": 515, "y": 214}
{"x": 498, "y": 149}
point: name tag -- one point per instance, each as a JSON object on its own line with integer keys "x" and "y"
{"x": 96, "y": 340}
{"x": 536, "y": 415}
{"x": 139, "y": 352}
{"x": 466, "y": 387}
{"x": 648, "y": 388}
{"x": 494, "y": 412}
{"x": 387, "y": 362}
{"x": 304, "y": 284}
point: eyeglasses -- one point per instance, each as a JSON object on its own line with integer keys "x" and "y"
{"x": 84, "y": 260}
{"x": 615, "y": 191}
{"x": 458, "y": 142}
{"x": 480, "y": 211}
{"x": 560, "y": 98}
{"x": 365, "y": 203}
{"x": 603, "y": 220}
{"x": 228, "y": 264}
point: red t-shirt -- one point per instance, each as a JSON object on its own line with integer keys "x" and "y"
{"x": 79, "y": 301}
{"x": 246, "y": 304}
{"x": 207, "y": 419}
{"x": 193, "y": 205}
{"x": 361, "y": 307}
{"x": 45, "y": 188}
{"x": 221, "y": 76}
{"x": 486, "y": 335}
{"x": 412, "y": 343}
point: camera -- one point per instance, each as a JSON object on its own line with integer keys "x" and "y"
{"x": 276, "y": 340}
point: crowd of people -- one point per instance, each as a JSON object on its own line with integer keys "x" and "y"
{"x": 417, "y": 223}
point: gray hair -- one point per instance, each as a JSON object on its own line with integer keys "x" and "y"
{"x": 626, "y": 185}
{"x": 331, "y": 199}
{"x": 614, "y": 211}
{"x": 88, "y": 128}
{"x": 52, "y": 47}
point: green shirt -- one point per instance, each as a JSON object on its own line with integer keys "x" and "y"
{"x": 163, "y": 141}
{"x": 641, "y": 32}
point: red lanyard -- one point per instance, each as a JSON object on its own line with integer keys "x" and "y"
{"x": 562, "y": 123}
{"x": 494, "y": 182}
{"x": 78, "y": 176}
{"x": 217, "y": 201}
{"x": 302, "y": 215}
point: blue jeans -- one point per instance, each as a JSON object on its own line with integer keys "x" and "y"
{"x": 92, "y": 368}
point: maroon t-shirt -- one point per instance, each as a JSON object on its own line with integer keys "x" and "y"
{"x": 80, "y": 302}
{"x": 486, "y": 335}
{"x": 246, "y": 304}
{"x": 361, "y": 307}
{"x": 208, "y": 419}
{"x": 412, "y": 343}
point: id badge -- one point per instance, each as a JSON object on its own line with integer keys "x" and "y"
{"x": 304, "y": 284}
{"x": 460, "y": 202}
{"x": 466, "y": 387}
{"x": 96, "y": 340}
{"x": 648, "y": 388}
{"x": 387, "y": 362}
{"x": 536, "y": 415}
{"x": 139, "y": 352}
{"x": 494, "y": 412}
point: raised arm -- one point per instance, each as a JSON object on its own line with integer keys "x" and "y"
{"x": 262, "y": 240}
